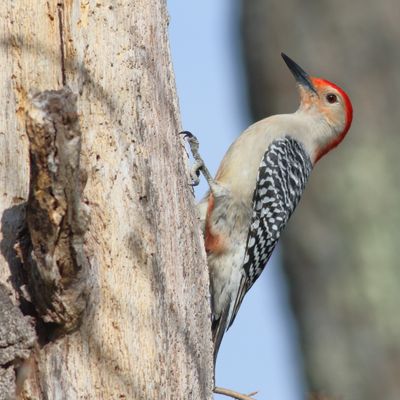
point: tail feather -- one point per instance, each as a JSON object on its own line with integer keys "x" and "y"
{"x": 224, "y": 322}
{"x": 218, "y": 329}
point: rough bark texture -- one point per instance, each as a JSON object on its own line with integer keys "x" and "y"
{"x": 139, "y": 276}
{"x": 51, "y": 248}
{"x": 17, "y": 338}
{"x": 341, "y": 246}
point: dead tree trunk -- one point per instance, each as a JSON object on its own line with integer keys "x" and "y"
{"x": 104, "y": 286}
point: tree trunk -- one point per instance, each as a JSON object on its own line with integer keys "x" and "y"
{"x": 341, "y": 245}
{"x": 101, "y": 250}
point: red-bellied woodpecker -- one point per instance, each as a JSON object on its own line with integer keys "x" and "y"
{"x": 258, "y": 185}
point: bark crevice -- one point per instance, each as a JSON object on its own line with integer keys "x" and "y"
{"x": 52, "y": 245}
{"x": 62, "y": 51}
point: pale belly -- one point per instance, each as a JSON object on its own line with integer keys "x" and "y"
{"x": 231, "y": 219}
{"x": 225, "y": 276}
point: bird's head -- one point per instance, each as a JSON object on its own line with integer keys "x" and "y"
{"x": 324, "y": 100}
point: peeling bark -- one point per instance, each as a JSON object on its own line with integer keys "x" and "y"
{"x": 57, "y": 220}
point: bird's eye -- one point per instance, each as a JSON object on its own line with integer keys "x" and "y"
{"x": 332, "y": 98}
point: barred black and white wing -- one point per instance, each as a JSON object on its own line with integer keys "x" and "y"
{"x": 283, "y": 173}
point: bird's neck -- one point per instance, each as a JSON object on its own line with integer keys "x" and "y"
{"x": 313, "y": 131}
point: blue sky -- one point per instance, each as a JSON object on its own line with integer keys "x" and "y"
{"x": 260, "y": 351}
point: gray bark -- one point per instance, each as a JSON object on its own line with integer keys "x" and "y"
{"x": 17, "y": 339}
{"x": 88, "y": 125}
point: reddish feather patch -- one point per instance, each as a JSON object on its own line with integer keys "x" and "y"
{"x": 318, "y": 83}
{"x": 213, "y": 243}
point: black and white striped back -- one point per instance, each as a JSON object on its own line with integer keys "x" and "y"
{"x": 283, "y": 173}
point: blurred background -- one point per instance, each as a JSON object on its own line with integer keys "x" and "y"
{"x": 324, "y": 316}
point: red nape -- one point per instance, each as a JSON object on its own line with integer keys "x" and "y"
{"x": 318, "y": 82}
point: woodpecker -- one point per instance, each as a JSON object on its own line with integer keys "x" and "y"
{"x": 257, "y": 187}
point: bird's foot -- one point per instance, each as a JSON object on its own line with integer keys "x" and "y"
{"x": 233, "y": 394}
{"x": 198, "y": 165}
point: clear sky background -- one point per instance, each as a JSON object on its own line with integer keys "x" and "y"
{"x": 260, "y": 351}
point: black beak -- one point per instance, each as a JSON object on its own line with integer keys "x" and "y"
{"x": 302, "y": 78}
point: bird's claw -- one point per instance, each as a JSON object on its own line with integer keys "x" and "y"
{"x": 186, "y": 134}
{"x": 198, "y": 166}
{"x": 193, "y": 143}
{"x": 195, "y": 174}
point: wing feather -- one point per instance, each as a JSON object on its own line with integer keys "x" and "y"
{"x": 283, "y": 173}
